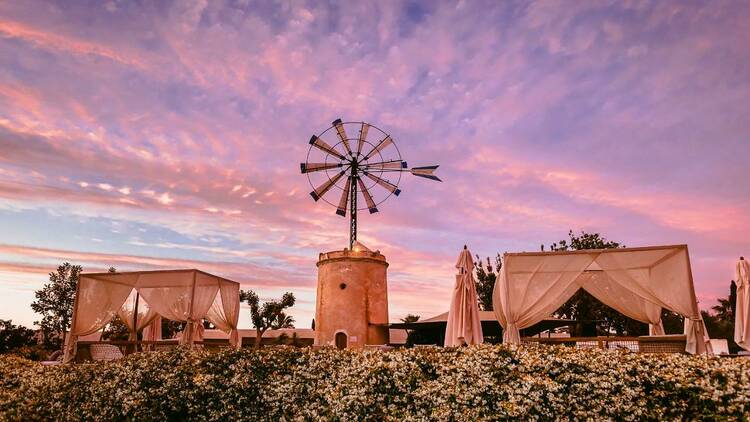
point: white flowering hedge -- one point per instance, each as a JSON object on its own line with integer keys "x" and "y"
{"x": 477, "y": 383}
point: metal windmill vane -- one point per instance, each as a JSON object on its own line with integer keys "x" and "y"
{"x": 345, "y": 169}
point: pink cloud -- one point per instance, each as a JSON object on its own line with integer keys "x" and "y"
{"x": 565, "y": 116}
{"x": 245, "y": 273}
{"x": 56, "y": 42}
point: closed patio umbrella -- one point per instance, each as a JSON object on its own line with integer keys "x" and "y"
{"x": 464, "y": 326}
{"x": 741, "y": 319}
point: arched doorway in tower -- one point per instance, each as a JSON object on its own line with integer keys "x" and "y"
{"x": 341, "y": 340}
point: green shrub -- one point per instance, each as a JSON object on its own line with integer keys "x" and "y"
{"x": 476, "y": 383}
{"x": 13, "y": 336}
{"x": 36, "y": 352}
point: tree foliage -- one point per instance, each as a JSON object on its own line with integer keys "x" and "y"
{"x": 415, "y": 336}
{"x": 584, "y": 241}
{"x": 13, "y": 337}
{"x": 54, "y": 302}
{"x": 486, "y": 275}
{"x": 720, "y": 321}
{"x": 410, "y": 318}
{"x": 270, "y": 315}
{"x": 116, "y": 330}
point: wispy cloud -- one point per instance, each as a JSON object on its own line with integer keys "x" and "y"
{"x": 62, "y": 44}
{"x": 172, "y": 133}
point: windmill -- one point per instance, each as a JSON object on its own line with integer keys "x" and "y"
{"x": 349, "y": 168}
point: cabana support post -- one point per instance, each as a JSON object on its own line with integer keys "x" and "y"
{"x": 190, "y": 328}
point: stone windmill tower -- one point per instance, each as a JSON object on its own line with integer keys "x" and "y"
{"x": 351, "y": 308}
{"x": 352, "y": 297}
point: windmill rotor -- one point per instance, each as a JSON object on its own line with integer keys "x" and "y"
{"x": 355, "y": 166}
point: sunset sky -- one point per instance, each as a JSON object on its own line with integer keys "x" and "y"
{"x": 169, "y": 135}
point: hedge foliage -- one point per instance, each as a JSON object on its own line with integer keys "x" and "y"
{"x": 477, "y": 383}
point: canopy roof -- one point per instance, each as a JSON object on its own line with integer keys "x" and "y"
{"x": 490, "y": 325}
{"x": 139, "y": 296}
{"x": 484, "y": 316}
{"x": 637, "y": 282}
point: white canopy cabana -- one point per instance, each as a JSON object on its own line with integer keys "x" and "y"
{"x": 182, "y": 295}
{"x": 637, "y": 282}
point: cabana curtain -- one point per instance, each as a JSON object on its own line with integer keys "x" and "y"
{"x": 152, "y": 332}
{"x": 180, "y": 295}
{"x": 225, "y": 310}
{"x": 127, "y": 311}
{"x": 638, "y": 282}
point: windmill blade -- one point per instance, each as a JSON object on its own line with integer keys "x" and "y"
{"x": 426, "y": 172}
{"x": 362, "y": 137}
{"x": 323, "y": 146}
{"x": 379, "y": 147}
{"x": 311, "y": 167}
{"x": 342, "y": 134}
{"x": 368, "y": 198}
{"x": 341, "y": 209}
{"x": 384, "y": 183}
{"x": 386, "y": 165}
{"x": 325, "y": 187}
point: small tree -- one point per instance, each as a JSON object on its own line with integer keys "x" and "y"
{"x": 720, "y": 322}
{"x": 116, "y": 330}
{"x": 584, "y": 241}
{"x": 723, "y": 310}
{"x": 270, "y": 315}
{"x": 414, "y": 336}
{"x": 410, "y": 318}
{"x": 55, "y": 303}
{"x": 14, "y": 336}
{"x": 485, "y": 280}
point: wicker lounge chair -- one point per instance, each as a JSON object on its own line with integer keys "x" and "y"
{"x": 54, "y": 359}
{"x": 105, "y": 352}
{"x": 671, "y": 343}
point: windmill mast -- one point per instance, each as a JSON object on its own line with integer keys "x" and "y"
{"x": 353, "y": 212}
